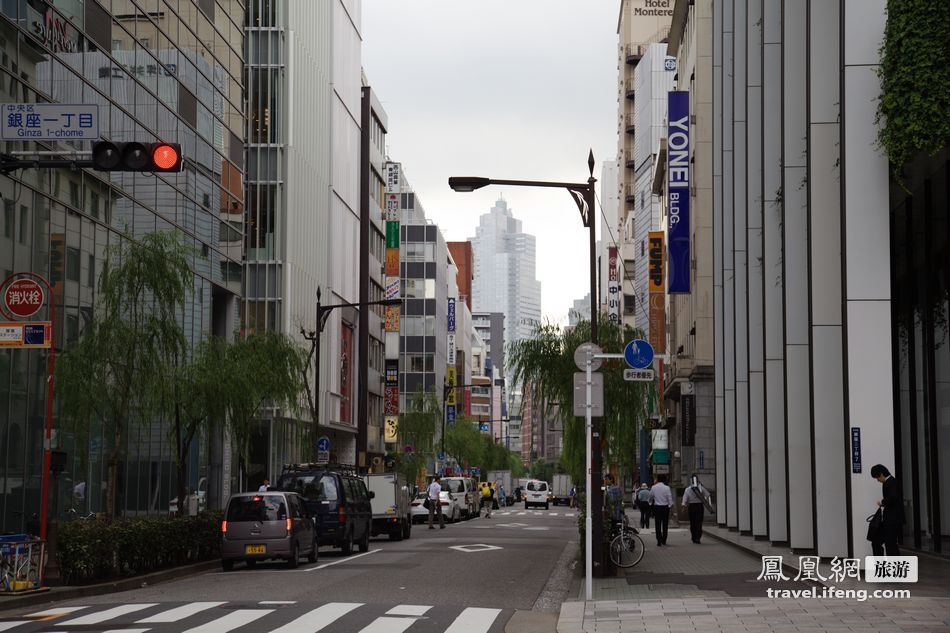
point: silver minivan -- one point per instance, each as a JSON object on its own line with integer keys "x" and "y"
{"x": 267, "y": 525}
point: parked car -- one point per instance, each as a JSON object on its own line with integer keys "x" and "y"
{"x": 450, "y": 508}
{"x": 390, "y": 503}
{"x": 537, "y": 493}
{"x": 261, "y": 526}
{"x": 338, "y": 501}
{"x": 463, "y": 494}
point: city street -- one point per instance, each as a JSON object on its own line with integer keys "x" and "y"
{"x": 429, "y": 583}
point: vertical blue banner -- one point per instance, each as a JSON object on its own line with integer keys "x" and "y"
{"x": 451, "y": 314}
{"x": 677, "y": 192}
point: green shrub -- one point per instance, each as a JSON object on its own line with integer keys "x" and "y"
{"x": 101, "y": 549}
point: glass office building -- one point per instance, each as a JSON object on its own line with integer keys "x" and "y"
{"x": 158, "y": 70}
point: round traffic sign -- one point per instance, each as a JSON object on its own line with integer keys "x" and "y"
{"x": 24, "y": 298}
{"x": 581, "y": 354}
{"x": 407, "y": 449}
{"x": 323, "y": 444}
{"x": 638, "y": 354}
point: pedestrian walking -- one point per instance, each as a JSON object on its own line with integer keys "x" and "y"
{"x": 435, "y": 507}
{"x": 694, "y": 500}
{"x": 662, "y": 502}
{"x": 502, "y": 499}
{"x": 644, "y": 502}
{"x": 572, "y": 497}
{"x": 892, "y": 514}
{"x": 613, "y": 498}
{"x": 487, "y": 494}
{"x": 264, "y": 486}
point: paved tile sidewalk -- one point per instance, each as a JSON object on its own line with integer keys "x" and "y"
{"x": 713, "y": 587}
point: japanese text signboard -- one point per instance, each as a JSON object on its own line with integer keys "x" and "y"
{"x": 613, "y": 286}
{"x": 49, "y": 122}
{"x": 23, "y": 298}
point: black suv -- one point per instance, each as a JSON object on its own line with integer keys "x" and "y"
{"x": 337, "y": 500}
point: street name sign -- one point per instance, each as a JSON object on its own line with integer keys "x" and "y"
{"x": 639, "y": 375}
{"x": 49, "y": 122}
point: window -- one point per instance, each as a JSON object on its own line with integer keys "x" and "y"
{"x": 430, "y": 288}
{"x": 24, "y": 224}
{"x": 74, "y": 194}
{"x": 91, "y": 273}
{"x": 9, "y": 219}
{"x": 72, "y": 263}
{"x": 257, "y": 508}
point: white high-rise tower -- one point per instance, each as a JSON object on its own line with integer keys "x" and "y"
{"x": 505, "y": 280}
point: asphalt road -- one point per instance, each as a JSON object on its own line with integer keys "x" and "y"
{"x": 468, "y": 578}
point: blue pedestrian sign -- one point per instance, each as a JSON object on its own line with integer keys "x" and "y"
{"x": 638, "y": 354}
{"x": 323, "y": 444}
{"x": 441, "y": 456}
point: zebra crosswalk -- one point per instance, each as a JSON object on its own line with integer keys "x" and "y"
{"x": 541, "y": 513}
{"x": 260, "y": 617}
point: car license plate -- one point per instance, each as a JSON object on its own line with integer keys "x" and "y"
{"x": 254, "y": 549}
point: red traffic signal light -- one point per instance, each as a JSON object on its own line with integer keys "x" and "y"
{"x": 135, "y": 156}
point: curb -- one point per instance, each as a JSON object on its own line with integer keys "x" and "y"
{"x": 753, "y": 552}
{"x": 57, "y": 594}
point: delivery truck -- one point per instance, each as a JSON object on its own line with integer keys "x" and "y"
{"x": 501, "y": 478}
{"x": 390, "y": 505}
{"x": 562, "y": 489}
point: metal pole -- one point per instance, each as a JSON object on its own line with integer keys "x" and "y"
{"x": 316, "y": 380}
{"x": 594, "y": 450}
{"x": 589, "y": 521}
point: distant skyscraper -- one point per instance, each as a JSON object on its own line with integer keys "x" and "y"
{"x": 505, "y": 279}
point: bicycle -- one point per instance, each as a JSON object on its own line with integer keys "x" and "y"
{"x": 626, "y": 546}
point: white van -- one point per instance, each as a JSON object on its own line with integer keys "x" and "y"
{"x": 536, "y": 494}
{"x": 462, "y": 491}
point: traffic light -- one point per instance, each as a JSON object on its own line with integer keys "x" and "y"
{"x": 135, "y": 156}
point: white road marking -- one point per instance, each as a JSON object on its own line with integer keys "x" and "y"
{"x": 473, "y": 620}
{"x": 6, "y": 626}
{"x": 537, "y": 528}
{"x": 231, "y": 621}
{"x": 55, "y": 611}
{"x": 409, "y": 609}
{"x": 476, "y": 547}
{"x": 127, "y": 630}
{"x": 277, "y": 602}
{"x": 108, "y": 614}
{"x": 553, "y": 514}
{"x": 521, "y": 514}
{"x": 388, "y": 625}
{"x": 343, "y": 560}
{"x": 319, "y": 618}
{"x": 179, "y": 613}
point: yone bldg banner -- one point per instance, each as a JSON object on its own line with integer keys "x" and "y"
{"x": 677, "y": 192}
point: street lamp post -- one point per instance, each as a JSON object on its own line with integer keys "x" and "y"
{"x": 314, "y": 336}
{"x": 583, "y": 194}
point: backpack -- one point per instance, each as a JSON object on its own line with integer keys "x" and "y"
{"x": 486, "y": 492}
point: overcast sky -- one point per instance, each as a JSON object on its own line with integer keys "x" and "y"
{"x": 514, "y": 89}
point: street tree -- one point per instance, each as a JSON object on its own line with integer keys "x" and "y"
{"x": 544, "y": 365}
{"x": 417, "y": 431}
{"x": 116, "y": 371}
{"x": 262, "y": 370}
{"x": 463, "y": 441}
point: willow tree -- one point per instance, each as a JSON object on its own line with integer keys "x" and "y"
{"x": 417, "y": 430}
{"x": 116, "y": 371}
{"x": 544, "y": 366}
{"x": 463, "y": 441}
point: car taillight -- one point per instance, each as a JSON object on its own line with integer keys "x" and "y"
{"x": 290, "y": 526}
{"x": 342, "y": 511}
{"x": 444, "y": 503}
{"x": 224, "y": 527}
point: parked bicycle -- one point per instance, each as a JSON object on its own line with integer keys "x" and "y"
{"x": 626, "y": 546}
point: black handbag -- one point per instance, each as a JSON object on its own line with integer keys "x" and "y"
{"x": 874, "y": 525}
{"x": 426, "y": 504}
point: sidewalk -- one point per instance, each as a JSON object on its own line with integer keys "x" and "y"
{"x": 713, "y": 587}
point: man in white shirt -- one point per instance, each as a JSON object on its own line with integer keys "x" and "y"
{"x": 264, "y": 486}
{"x": 662, "y": 502}
{"x": 694, "y": 500}
{"x": 435, "y": 488}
